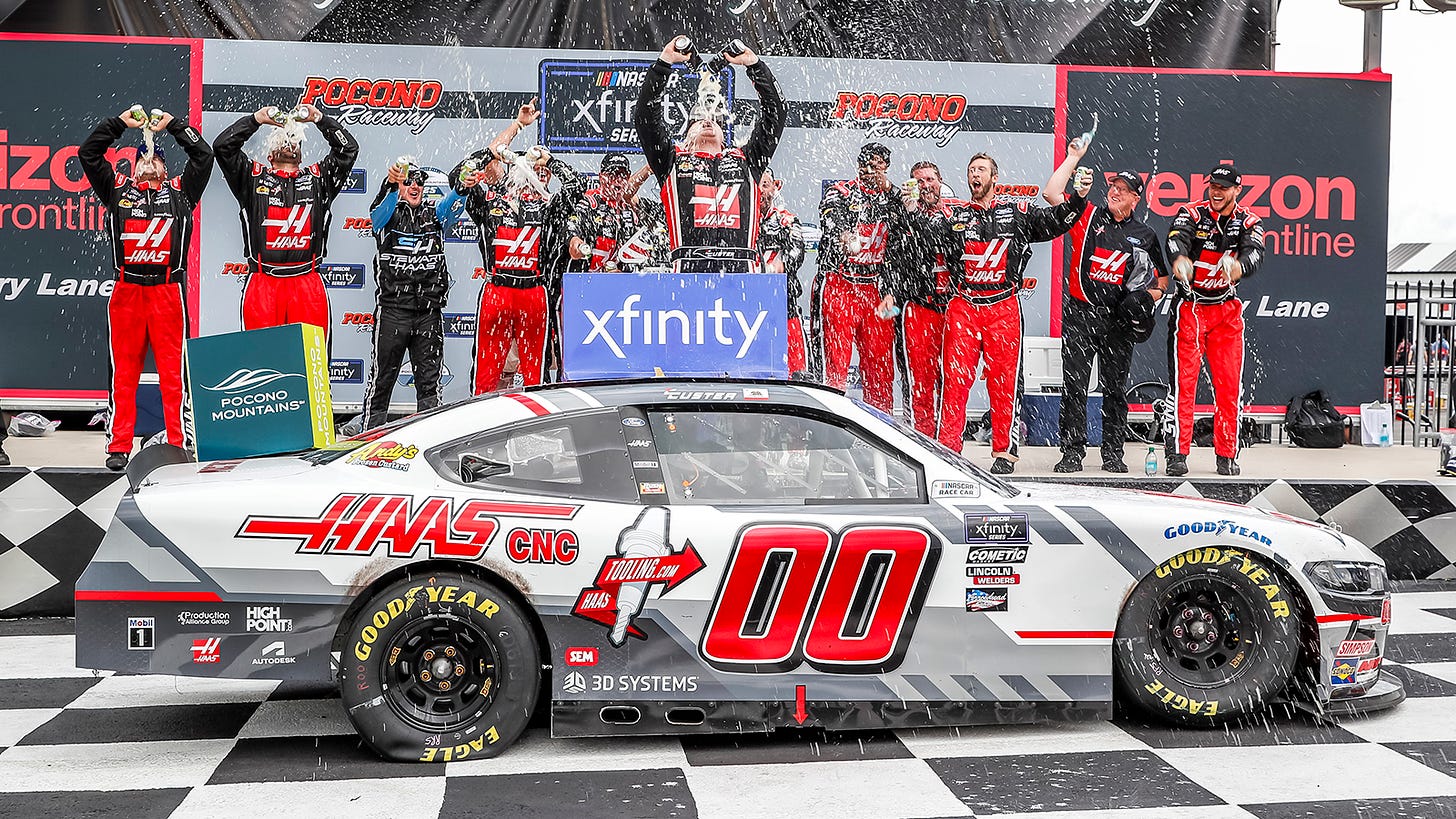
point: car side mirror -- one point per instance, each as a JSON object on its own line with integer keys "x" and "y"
{"x": 475, "y": 468}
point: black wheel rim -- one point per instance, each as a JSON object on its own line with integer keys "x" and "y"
{"x": 439, "y": 672}
{"x": 1203, "y": 632}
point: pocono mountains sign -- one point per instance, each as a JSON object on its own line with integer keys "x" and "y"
{"x": 681, "y": 324}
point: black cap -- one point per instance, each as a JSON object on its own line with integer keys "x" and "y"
{"x": 1226, "y": 176}
{"x": 156, "y": 151}
{"x": 871, "y": 150}
{"x": 616, "y": 162}
{"x": 1133, "y": 180}
{"x": 416, "y": 176}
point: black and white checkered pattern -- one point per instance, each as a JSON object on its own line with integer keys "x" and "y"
{"x": 72, "y": 743}
{"x": 52, "y": 520}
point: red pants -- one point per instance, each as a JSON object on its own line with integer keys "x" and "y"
{"x": 1215, "y": 331}
{"x": 922, "y": 333}
{"x": 973, "y": 331}
{"x": 271, "y": 301}
{"x": 848, "y": 319}
{"x": 509, "y": 314}
{"x": 797, "y": 361}
{"x": 139, "y": 315}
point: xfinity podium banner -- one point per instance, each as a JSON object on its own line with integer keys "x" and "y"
{"x": 55, "y": 275}
{"x": 633, "y": 324}
{"x": 1314, "y": 151}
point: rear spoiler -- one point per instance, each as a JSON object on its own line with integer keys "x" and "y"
{"x": 151, "y": 457}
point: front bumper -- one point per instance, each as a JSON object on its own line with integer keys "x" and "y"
{"x": 1387, "y": 692}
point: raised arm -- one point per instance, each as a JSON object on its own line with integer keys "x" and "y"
{"x": 199, "y": 156}
{"x": 92, "y": 155}
{"x": 231, "y": 160}
{"x": 774, "y": 113}
{"x": 652, "y": 131}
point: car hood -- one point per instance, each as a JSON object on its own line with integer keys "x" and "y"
{"x": 210, "y": 472}
{"x": 1295, "y": 538}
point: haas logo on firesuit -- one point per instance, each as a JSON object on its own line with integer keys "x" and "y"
{"x": 715, "y": 206}
{"x": 147, "y": 241}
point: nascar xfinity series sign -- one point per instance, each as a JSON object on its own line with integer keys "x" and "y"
{"x": 619, "y": 324}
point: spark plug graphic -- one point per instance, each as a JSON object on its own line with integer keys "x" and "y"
{"x": 647, "y": 538}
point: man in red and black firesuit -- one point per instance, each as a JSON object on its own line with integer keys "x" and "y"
{"x": 867, "y": 246}
{"x": 990, "y": 239}
{"x": 924, "y": 295}
{"x": 149, "y": 218}
{"x": 1213, "y": 244}
{"x": 523, "y": 238}
{"x": 286, "y": 208}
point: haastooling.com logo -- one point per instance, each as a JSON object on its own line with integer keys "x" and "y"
{"x": 407, "y": 103}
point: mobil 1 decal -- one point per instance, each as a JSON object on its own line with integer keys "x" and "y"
{"x": 1320, "y": 190}
{"x": 794, "y": 593}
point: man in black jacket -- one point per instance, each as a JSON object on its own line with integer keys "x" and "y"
{"x": 1113, "y": 255}
{"x": 708, "y": 188}
{"x": 149, "y": 218}
{"x": 285, "y": 208}
{"x": 413, "y": 282}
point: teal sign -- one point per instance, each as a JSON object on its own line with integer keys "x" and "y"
{"x": 260, "y": 392}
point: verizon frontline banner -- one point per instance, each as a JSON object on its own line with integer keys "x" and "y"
{"x": 55, "y": 259}
{"x": 1328, "y": 186}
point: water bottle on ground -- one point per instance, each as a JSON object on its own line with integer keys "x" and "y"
{"x": 1150, "y": 467}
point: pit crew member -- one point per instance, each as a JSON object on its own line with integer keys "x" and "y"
{"x": 1213, "y": 244}
{"x": 285, "y": 209}
{"x": 149, "y": 219}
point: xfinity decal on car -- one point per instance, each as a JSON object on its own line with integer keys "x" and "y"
{"x": 997, "y": 529}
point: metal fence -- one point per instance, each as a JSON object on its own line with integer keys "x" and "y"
{"x": 1420, "y": 321}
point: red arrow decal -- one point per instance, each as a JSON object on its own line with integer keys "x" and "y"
{"x": 671, "y": 569}
{"x": 799, "y": 713}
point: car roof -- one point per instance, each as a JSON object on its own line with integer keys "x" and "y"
{"x": 614, "y": 391}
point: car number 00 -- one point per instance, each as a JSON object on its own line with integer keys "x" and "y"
{"x": 792, "y": 594}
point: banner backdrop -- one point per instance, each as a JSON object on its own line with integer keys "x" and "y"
{"x": 1317, "y": 146}
{"x": 1316, "y": 170}
{"x": 54, "y": 260}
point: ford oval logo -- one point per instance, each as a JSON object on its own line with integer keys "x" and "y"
{"x": 633, "y": 422}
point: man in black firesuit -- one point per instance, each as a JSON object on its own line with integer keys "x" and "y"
{"x": 866, "y": 249}
{"x": 708, "y": 188}
{"x": 781, "y": 245}
{"x": 1115, "y": 257}
{"x": 523, "y": 236}
{"x": 925, "y": 293}
{"x": 149, "y": 218}
{"x": 285, "y": 209}
{"x": 412, "y": 281}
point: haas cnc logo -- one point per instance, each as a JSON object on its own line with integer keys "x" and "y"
{"x": 405, "y": 103}
{"x": 517, "y": 248}
{"x": 1108, "y": 265}
{"x": 715, "y": 206}
{"x": 986, "y": 261}
{"x": 147, "y": 241}
{"x": 289, "y": 228}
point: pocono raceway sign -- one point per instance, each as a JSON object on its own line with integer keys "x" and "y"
{"x": 1323, "y": 198}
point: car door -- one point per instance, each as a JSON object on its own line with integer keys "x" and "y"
{"x": 818, "y": 549}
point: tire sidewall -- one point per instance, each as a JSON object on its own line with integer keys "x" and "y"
{"x": 1267, "y": 666}
{"x": 363, "y": 662}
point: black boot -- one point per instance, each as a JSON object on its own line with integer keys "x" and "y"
{"x": 1002, "y": 467}
{"x": 1070, "y": 462}
{"x": 1112, "y": 462}
{"x": 1227, "y": 466}
{"x": 1177, "y": 466}
{"x": 4, "y": 459}
{"x": 116, "y": 461}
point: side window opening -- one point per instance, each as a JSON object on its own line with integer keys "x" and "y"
{"x": 574, "y": 456}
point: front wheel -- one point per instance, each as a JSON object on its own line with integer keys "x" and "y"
{"x": 1212, "y": 633}
{"x": 440, "y": 669}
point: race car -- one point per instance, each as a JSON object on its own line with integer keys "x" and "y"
{"x": 690, "y": 556}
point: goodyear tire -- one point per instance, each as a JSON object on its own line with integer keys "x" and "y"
{"x": 440, "y": 669}
{"x": 1211, "y": 634}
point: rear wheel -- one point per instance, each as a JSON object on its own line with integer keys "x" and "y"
{"x": 440, "y": 669}
{"x": 1212, "y": 633}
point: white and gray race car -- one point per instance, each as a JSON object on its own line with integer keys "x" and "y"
{"x": 671, "y": 557}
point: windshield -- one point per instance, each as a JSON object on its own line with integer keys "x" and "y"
{"x": 942, "y": 452}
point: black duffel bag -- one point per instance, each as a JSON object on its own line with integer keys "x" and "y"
{"x": 1313, "y": 422}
